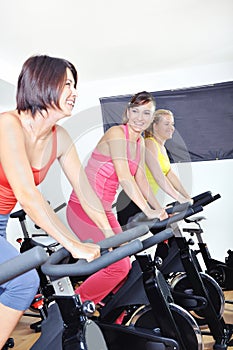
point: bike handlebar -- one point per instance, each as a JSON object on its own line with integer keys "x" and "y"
{"x": 159, "y": 237}
{"x": 84, "y": 268}
{"x": 206, "y": 200}
{"x": 22, "y": 263}
{"x": 140, "y": 218}
{"x": 177, "y": 208}
{"x": 201, "y": 199}
{"x": 123, "y": 237}
{"x": 37, "y": 256}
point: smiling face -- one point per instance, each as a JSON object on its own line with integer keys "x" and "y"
{"x": 141, "y": 116}
{"x": 164, "y": 127}
{"x": 69, "y": 94}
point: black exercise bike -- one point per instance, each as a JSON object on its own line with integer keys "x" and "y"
{"x": 194, "y": 290}
{"x": 28, "y": 241}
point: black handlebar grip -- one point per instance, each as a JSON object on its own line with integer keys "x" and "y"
{"x": 84, "y": 268}
{"x": 159, "y": 237}
{"x": 161, "y": 225}
{"x": 200, "y": 196}
{"x": 22, "y": 263}
{"x": 206, "y": 200}
{"x": 124, "y": 237}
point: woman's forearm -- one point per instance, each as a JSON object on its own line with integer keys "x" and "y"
{"x": 175, "y": 182}
{"x": 134, "y": 193}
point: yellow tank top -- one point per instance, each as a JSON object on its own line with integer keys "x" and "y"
{"x": 164, "y": 164}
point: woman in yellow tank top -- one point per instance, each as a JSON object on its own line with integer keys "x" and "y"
{"x": 158, "y": 168}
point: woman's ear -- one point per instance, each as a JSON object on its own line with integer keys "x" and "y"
{"x": 154, "y": 126}
{"x": 126, "y": 117}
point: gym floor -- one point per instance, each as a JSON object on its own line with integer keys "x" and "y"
{"x": 24, "y": 337}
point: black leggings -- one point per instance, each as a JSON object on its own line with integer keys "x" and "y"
{"x": 125, "y": 208}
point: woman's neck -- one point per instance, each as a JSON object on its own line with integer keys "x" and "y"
{"x": 133, "y": 134}
{"x": 37, "y": 127}
{"x": 159, "y": 140}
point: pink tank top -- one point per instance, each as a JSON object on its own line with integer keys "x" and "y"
{"x": 102, "y": 175}
{"x": 7, "y": 197}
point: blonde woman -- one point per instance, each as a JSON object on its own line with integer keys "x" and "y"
{"x": 158, "y": 168}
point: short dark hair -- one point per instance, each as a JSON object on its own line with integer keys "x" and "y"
{"x": 41, "y": 81}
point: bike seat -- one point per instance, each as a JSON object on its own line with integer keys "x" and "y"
{"x": 194, "y": 219}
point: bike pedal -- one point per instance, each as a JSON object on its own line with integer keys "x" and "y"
{"x": 36, "y": 326}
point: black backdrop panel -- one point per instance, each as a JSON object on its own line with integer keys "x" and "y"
{"x": 203, "y": 120}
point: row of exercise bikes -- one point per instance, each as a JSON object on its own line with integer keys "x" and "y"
{"x": 168, "y": 299}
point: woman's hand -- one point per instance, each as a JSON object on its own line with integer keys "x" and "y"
{"x": 161, "y": 214}
{"x": 88, "y": 251}
{"x": 190, "y": 201}
{"x": 182, "y": 200}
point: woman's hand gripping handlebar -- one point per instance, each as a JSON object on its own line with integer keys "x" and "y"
{"x": 84, "y": 268}
{"x": 158, "y": 225}
{"x": 201, "y": 199}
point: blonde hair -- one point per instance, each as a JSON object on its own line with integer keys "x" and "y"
{"x": 157, "y": 117}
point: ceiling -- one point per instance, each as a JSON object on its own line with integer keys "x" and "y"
{"x": 111, "y": 39}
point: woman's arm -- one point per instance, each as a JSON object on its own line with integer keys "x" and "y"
{"x": 175, "y": 182}
{"x": 73, "y": 169}
{"x": 142, "y": 181}
{"x": 117, "y": 145}
{"x": 163, "y": 181}
{"x": 16, "y": 166}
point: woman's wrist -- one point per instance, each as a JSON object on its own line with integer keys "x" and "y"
{"x": 71, "y": 243}
{"x": 148, "y": 211}
{"x": 108, "y": 233}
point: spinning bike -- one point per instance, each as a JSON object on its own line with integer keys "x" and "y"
{"x": 154, "y": 320}
{"x": 58, "y": 332}
{"x": 27, "y": 242}
{"x": 68, "y": 325}
{"x": 17, "y": 266}
{"x": 70, "y": 314}
{"x": 222, "y": 272}
{"x": 195, "y": 291}
{"x": 163, "y": 333}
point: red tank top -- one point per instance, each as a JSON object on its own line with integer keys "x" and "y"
{"x": 7, "y": 197}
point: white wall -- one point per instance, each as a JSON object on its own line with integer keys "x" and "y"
{"x": 86, "y": 128}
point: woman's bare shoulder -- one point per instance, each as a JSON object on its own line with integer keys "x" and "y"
{"x": 115, "y": 131}
{"x": 150, "y": 143}
{"x": 10, "y": 114}
{"x": 9, "y": 118}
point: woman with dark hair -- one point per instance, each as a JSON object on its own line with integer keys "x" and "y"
{"x": 30, "y": 141}
{"x": 117, "y": 160}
